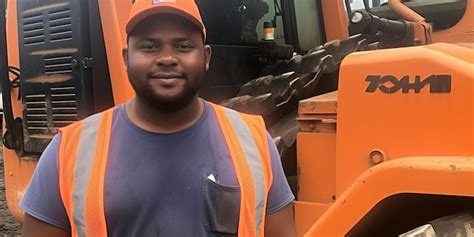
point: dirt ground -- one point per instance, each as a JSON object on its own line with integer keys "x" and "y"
{"x": 8, "y": 226}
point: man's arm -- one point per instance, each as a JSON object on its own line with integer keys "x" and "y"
{"x": 45, "y": 214}
{"x": 281, "y": 223}
{"x": 33, "y": 227}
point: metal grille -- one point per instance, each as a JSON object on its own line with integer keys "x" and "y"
{"x": 45, "y": 114}
{"x": 36, "y": 113}
{"x": 56, "y": 90}
{"x": 58, "y": 64}
{"x": 63, "y": 106}
{"x": 60, "y": 24}
{"x": 33, "y": 29}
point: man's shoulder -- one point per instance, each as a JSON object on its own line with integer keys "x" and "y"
{"x": 228, "y": 110}
{"x": 255, "y": 123}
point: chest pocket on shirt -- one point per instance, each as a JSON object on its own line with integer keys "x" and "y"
{"x": 221, "y": 208}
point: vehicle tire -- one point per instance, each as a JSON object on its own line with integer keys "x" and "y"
{"x": 276, "y": 94}
{"x": 459, "y": 225}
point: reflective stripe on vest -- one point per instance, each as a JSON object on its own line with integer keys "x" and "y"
{"x": 246, "y": 140}
{"x": 253, "y": 159}
{"x": 84, "y": 149}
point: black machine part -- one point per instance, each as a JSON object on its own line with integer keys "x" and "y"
{"x": 272, "y": 51}
{"x": 61, "y": 49}
{"x": 459, "y": 223}
{"x": 12, "y": 139}
{"x": 55, "y": 76}
{"x": 276, "y": 93}
{"x": 392, "y": 33}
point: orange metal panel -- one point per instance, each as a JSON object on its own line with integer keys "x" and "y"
{"x": 306, "y": 214}
{"x": 114, "y": 15}
{"x": 322, "y": 104}
{"x": 463, "y": 31}
{"x": 424, "y": 175}
{"x": 456, "y": 51}
{"x": 335, "y": 20}
{"x": 403, "y": 124}
{"x": 17, "y": 171}
{"x": 317, "y": 167}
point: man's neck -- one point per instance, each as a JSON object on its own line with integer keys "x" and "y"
{"x": 152, "y": 119}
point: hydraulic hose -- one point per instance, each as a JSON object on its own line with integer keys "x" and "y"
{"x": 11, "y": 135}
{"x": 363, "y": 22}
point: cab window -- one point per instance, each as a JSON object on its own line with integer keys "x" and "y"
{"x": 308, "y": 22}
{"x": 258, "y": 12}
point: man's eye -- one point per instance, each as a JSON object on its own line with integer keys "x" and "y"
{"x": 184, "y": 47}
{"x": 149, "y": 47}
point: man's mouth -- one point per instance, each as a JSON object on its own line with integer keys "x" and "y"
{"x": 167, "y": 79}
{"x": 167, "y": 76}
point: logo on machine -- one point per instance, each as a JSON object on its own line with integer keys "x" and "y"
{"x": 162, "y": 1}
{"x": 390, "y": 84}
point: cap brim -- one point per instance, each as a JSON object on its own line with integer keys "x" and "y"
{"x": 132, "y": 23}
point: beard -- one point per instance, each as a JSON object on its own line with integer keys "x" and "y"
{"x": 166, "y": 103}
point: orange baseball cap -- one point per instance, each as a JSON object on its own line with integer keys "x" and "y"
{"x": 144, "y": 8}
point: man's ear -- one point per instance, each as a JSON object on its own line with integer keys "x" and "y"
{"x": 207, "y": 55}
{"x": 125, "y": 57}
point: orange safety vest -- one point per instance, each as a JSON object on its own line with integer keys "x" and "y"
{"x": 83, "y": 155}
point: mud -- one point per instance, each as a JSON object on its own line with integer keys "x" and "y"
{"x": 8, "y": 226}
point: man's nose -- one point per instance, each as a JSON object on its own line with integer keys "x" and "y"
{"x": 167, "y": 58}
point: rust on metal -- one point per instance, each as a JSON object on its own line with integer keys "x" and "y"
{"x": 317, "y": 124}
{"x": 42, "y": 136}
{"x": 377, "y": 156}
{"x": 318, "y": 114}
{"x": 54, "y": 78}
{"x": 45, "y": 7}
{"x": 54, "y": 51}
{"x": 322, "y": 104}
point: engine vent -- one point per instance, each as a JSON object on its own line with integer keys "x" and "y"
{"x": 33, "y": 29}
{"x": 36, "y": 113}
{"x": 63, "y": 106}
{"x": 58, "y": 64}
{"x": 46, "y": 113}
{"x": 60, "y": 24}
{"x": 56, "y": 88}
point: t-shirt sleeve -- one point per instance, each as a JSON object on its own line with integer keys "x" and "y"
{"x": 280, "y": 193}
{"x": 42, "y": 199}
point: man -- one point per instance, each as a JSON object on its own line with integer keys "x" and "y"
{"x": 166, "y": 163}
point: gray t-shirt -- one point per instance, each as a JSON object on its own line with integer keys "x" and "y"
{"x": 154, "y": 184}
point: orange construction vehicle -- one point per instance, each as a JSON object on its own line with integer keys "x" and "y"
{"x": 371, "y": 103}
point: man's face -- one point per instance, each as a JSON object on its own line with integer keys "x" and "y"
{"x": 166, "y": 60}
